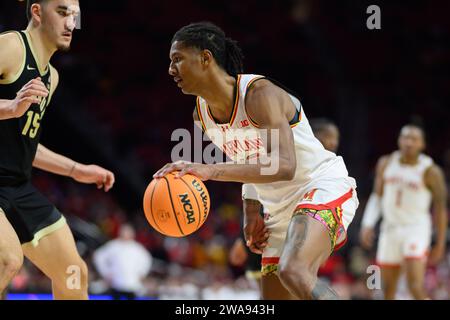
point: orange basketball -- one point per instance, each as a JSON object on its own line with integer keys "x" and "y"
{"x": 176, "y": 207}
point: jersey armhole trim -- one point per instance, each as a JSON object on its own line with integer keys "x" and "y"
{"x": 18, "y": 74}
{"x": 199, "y": 113}
{"x": 236, "y": 102}
{"x": 52, "y": 86}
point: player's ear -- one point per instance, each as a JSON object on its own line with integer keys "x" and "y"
{"x": 206, "y": 58}
{"x": 36, "y": 12}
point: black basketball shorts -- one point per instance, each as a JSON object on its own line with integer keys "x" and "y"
{"x": 30, "y": 213}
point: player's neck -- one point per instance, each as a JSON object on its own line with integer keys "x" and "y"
{"x": 220, "y": 96}
{"x": 41, "y": 47}
{"x": 409, "y": 160}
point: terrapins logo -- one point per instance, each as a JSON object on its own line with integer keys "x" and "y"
{"x": 187, "y": 207}
{"x": 309, "y": 195}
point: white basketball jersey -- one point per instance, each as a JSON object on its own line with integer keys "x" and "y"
{"x": 406, "y": 199}
{"x": 240, "y": 140}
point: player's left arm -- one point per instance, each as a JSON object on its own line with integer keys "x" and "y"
{"x": 53, "y": 162}
{"x": 434, "y": 179}
{"x": 271, "y": 108}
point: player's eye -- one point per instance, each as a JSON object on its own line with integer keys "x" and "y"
{"x": 62, "y": 13}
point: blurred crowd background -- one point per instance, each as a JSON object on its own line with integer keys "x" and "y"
{"x": 117, "y": 106}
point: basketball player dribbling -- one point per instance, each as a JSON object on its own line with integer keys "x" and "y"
{"x": 407, "y": 183}
{"x": 29, "y": 224}
{"x": 310, "y": 199}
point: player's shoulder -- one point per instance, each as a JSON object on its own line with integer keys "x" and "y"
{"x": 434, "y": 171}
{"x": 261, "y": 97}
{"x": 10, "y": 40}
{"x": 12, "y": 52}
{"x": 262, "y": 88}
{"x": 426, "y": 160}
{"x": 384, "y": 160}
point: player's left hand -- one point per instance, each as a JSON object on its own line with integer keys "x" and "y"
{"x": 255, "y": 232}
{"x": 202, "y": 171}
{"x": 436, "y": 255}
{"x": 94, "y": 174}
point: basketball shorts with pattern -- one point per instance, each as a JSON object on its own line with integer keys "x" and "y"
{"x": 331, "y": 202}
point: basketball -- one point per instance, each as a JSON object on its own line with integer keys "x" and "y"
{"x": 176, "y": 207}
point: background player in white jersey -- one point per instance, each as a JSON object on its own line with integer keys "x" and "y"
{"x": 327, "y": 133}
{"x": 310, "y": 199}
{"x": 407, "y": 183}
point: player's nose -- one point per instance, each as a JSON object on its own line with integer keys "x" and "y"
{"x": 172, "y": 70}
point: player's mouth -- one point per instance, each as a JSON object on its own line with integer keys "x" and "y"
{"x": 178, "y": 80}
{"x": 67, "y": 35}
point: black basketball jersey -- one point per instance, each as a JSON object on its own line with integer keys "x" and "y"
{"x": 19, "y": 137}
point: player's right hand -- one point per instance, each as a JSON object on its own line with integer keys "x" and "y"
{"x": 255, "y": 232}
{"x": 30, "y": 93}
{"x": 366, "y": 237}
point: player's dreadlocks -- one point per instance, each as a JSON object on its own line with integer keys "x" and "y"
{"x": 207, "y": 36}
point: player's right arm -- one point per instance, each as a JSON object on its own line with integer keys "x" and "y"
{"x": 11, "y": 58}
{"x": 373, "y": 207}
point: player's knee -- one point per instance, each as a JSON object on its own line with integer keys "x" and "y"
{"x": 74, "y": 277}
{"x": 10, "y": 264}
{"x": 81, "y": 273}
{"x": 296, "y": 277}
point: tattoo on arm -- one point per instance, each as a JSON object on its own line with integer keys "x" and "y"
{"x": 218, "y": 174}
{"x": 302, "y": 230}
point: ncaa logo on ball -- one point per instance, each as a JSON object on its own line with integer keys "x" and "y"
{"x": 187, "y": 207}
